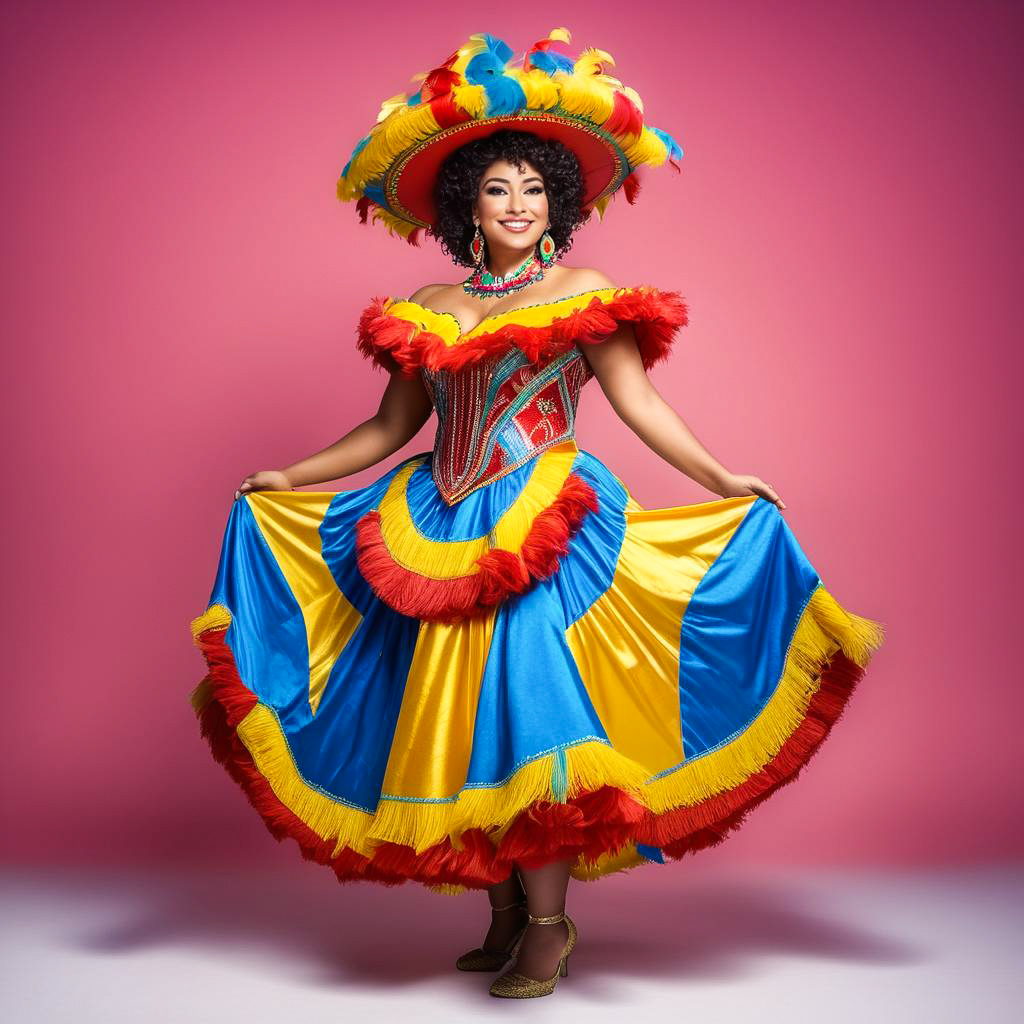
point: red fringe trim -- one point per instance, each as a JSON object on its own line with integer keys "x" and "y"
{"x": 656, "y": 315}
{"x": 500, "y": 574}
{"x": 588, "y": 825}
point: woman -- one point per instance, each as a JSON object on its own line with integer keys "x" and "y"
{"x": 491, "y": 668}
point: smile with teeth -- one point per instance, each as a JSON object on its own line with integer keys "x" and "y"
{"x": 515, "y": 225}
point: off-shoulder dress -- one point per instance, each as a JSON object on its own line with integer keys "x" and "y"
{"x": 493, "y": 655}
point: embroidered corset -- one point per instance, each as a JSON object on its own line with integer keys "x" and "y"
{"x": 508, "y": 390}
{"x": 498, "y": 413}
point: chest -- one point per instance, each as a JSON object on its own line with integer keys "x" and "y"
{"x": 507, "y": 383}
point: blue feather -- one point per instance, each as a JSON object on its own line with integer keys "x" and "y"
{"x": 498, "y": 47}
{"x": 376, "y": 193}
{"x": 673, "y": 147}
{"x": 355, "y": 152}
{"x": 550, "y": 62}
{"x": 504, "y": 94}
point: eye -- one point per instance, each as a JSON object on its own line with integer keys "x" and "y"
{"x": 495, "y": 189}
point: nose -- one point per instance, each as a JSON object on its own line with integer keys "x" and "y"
{"x": 516, "y": 203}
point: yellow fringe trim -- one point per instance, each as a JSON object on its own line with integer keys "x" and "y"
{"x": 606, "y": 863}
{"x": 445, "y": 560}
{"x": 823, "y": 628}
{"x": 215, "y": 617}
{"x": 448, "y": 889}
{"x": 201, "y": 695}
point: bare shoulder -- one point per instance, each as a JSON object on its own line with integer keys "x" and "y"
{"x": 585, "y": 279}
{"x": 427, "y": 291}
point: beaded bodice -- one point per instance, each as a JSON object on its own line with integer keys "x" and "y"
{"x": 508, "y": 389}
{"x": 498, "y": 413}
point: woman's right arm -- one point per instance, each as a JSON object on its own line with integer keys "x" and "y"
{"x": 404, "y": 407}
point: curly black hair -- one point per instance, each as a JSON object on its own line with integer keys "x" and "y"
{"x": 459, "y": 181}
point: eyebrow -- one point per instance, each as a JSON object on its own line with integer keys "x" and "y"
{"x": 506, "y": 181}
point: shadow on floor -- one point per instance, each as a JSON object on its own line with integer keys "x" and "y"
{"x": 676, "y": 924}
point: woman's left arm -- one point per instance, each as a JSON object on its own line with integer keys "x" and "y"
{"x": 620, "y": 371}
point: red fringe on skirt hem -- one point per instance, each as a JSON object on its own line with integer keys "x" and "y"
{"x": 589, "y": 824}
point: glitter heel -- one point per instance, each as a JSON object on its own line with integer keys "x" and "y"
{"x": 517, "y": 986}
{"x": 481, "y": 959}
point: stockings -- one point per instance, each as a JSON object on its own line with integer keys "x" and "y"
{"x": 545, "y": 893}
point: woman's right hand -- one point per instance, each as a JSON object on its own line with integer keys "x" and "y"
{"x": 266, "y": 480}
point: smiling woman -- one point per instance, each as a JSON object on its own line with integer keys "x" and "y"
{"x": 508, "y": 178}
{"x": 491, "y": 667}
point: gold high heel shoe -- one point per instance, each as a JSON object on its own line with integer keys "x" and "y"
{"x": 481, "y": 959}
{"x": 512, "y": 985}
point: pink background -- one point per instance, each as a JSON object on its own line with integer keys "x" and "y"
{"x": 181, "y": 290}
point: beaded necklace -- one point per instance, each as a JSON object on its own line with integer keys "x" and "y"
{"x": 482, "y": 282}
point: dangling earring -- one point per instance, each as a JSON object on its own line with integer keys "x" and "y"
{"x": 476, "y": 247}
{"x": 547, "y": 248}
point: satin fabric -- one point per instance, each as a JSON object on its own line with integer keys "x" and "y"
{"x": 661, "y": 635}
{"x": 412, "y": 689}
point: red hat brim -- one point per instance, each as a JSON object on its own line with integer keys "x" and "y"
{"x": 409, "y": 185}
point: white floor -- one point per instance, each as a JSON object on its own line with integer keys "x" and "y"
{"x": 693, "y": 941}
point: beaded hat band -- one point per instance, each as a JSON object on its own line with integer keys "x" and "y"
{"x": 477, "y": 91}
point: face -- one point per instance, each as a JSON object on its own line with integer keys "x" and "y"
{"x": 511, "y": 206}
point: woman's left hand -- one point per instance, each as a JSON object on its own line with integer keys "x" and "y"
{"x": 735, "y": 485}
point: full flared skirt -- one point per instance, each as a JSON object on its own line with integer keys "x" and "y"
{"x": 662, "y": 673}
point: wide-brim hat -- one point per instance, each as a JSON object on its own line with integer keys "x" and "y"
{"x": 477, "y": 91}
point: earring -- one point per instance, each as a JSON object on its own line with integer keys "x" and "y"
{"x": 476, "y": 247}
{"x": 547, "y": 248}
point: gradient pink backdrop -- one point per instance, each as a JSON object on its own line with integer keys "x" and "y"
{"x": 181, "y": 289}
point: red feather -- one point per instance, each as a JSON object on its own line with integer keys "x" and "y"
{"x": 656, "y": 315}
{"x": 631, "y": 187}
{"x": 626, "y": 118}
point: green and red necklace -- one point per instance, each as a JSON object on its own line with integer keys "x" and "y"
{"x": 483, "y": 283}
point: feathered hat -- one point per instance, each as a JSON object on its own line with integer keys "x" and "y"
{"x": 476, "y": 91}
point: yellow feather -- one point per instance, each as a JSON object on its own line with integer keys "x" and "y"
{"x": 587, "y": 92}
{"x": 633, "y": 95}
{"x": 394, "y": 225}
{"x": 646, "y": 149}
{"x": 390, "y": 138}
{"x": 540, "y": 90}
{"x": 471, "y": 98}
{"x": 588, "y": 61}
{"x": 585, "y": 96}
{"x": 389, "y": 106}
